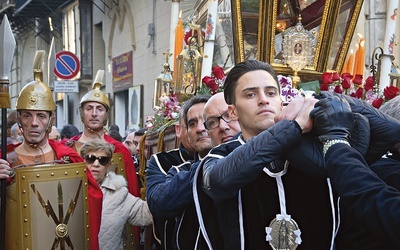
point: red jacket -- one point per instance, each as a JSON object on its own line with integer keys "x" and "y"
{"x": 94, "y": 192}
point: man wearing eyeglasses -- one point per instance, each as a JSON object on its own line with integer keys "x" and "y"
{"x": 217, "y": 121}
{"x": 173, "y": 198}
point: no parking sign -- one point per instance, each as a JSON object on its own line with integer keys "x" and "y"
{"x": 67, "y": 65}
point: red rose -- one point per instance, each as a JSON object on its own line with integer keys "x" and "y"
{"x": 369, "y": 83}
{"x": 338, "y": 89}
{"x": 327, "y": 78}
{"x": 335, "y": 76}
{"x": 324, "y": 87}
{"x": 347, "y": 76}
{"x": 359, "y": 93}
{"x": 358, "y": 79}
{"x": 218, "y": 72}
{"x": 390, "y": 92}
{"x": 207, "y": 79}
{"x": 210, "y": 83}
{"x": 346, "y": 83}
{"x": 377, "y": 103}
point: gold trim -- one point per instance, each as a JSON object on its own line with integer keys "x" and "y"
{"x": 349, "y": 35}
{"x": 40, "y": 184}
{"x": 117, "y": 164}
{"x": 238, "y": 31}
{"x": 268, "y": 14}
{"x": 331, "y": 12}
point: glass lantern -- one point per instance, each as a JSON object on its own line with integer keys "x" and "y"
{"x": 163, "y": 83}
{"x": 188, "y": 67}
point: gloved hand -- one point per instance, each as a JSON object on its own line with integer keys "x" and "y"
{"x": 333, "y": 118}
{"x": 384, "y": 130}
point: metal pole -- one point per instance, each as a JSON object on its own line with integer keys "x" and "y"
{"x": 3, "y": 181}
{"x": 7, "y": 47}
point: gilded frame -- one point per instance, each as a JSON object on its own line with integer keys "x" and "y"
{"x": 266, "y": 36}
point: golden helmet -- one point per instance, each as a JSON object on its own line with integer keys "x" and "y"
{"x": 96, "y": 95}
{"x": 36, "y": 95}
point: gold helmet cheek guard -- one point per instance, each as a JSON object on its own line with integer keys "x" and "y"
{"x": 51, "y": 122}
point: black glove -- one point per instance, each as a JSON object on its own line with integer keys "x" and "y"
{"x": 333, "y": 118}
{"x": 384, "y": 129}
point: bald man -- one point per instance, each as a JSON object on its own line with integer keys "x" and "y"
{"x": 217, "y": 121}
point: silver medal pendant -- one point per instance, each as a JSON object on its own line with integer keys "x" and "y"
{"x": 283, "y": 233}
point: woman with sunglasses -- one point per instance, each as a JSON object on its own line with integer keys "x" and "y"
{"x": 119, "y": 206}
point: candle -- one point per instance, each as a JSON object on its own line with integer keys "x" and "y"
{"x": 350, "y": 63}
{"x": 360, "y": 57}
{"x": 344, "y": 68}
{"x": 356, "y": 61}
{"x": 178, "y": 36}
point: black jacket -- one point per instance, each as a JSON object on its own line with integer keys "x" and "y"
{"x": 156, "y": 175}
{"x": 246, "y": 198}
{"x": 371, "y": 214}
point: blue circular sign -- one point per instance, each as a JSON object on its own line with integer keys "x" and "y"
{"x": 67, "y": 65}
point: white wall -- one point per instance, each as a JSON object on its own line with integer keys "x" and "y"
{"x": 146, "y": 64}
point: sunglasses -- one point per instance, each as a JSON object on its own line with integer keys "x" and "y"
{"x": 103, "y": 160}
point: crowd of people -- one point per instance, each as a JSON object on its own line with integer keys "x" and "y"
{"x": 249, "y": 173}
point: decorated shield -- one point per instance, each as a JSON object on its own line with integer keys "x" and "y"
{"x": 117, "y": 165}
{"x": 47, "y": 208}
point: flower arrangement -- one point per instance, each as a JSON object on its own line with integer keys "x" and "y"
{"x": 287, "y": 90}
{"x": 353, "y": 86}
{"x": 165, "y": 115}
{"x": 389, "y": 93}
{"x": 215, "y": 82}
